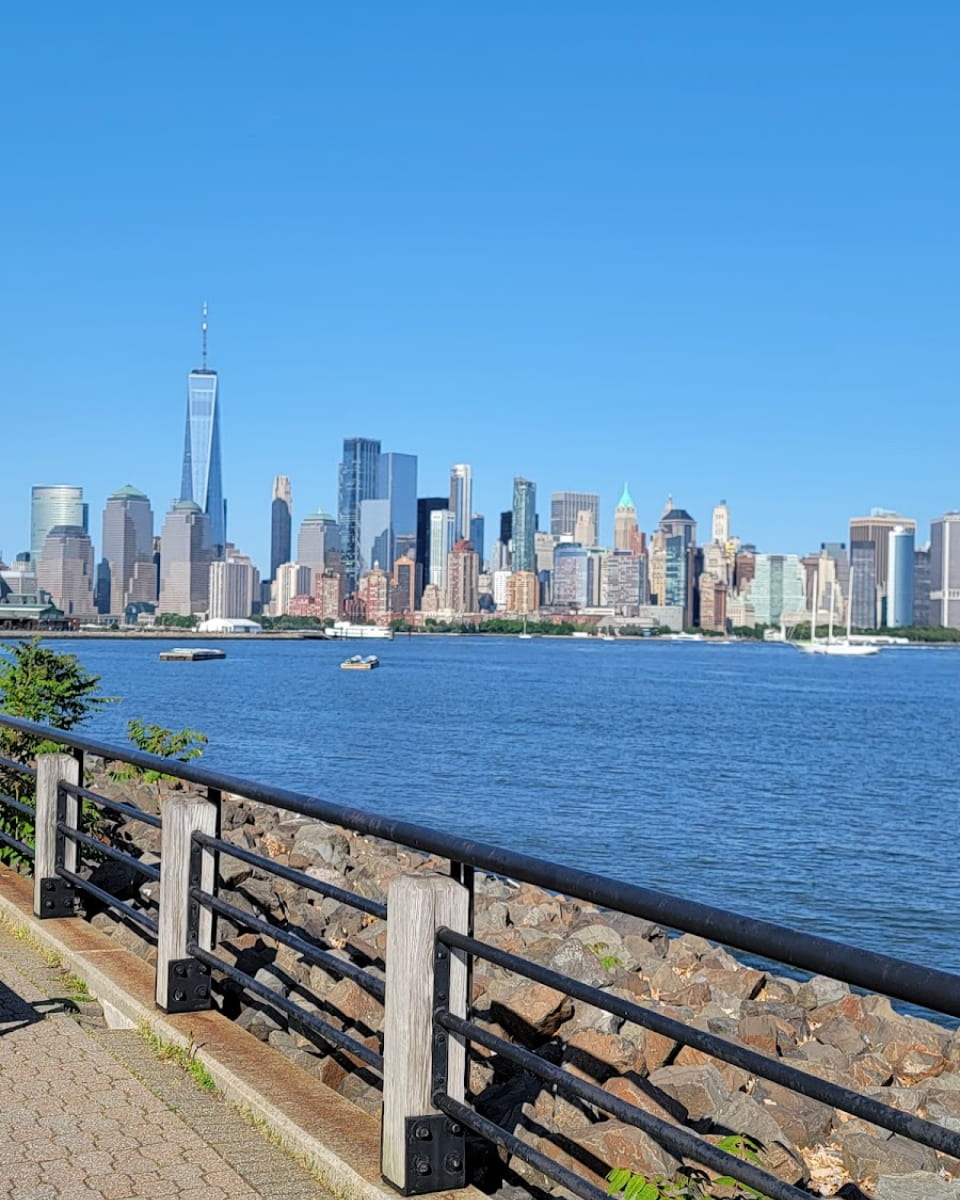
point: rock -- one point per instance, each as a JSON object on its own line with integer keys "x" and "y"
{"x": 743, "y": 1115}
{"x": 804, "y": 1121}
{"x": 532, "y": 1012}
{"x": 868, "y": 1152}
{"x": 639, "y": 1092}
{"x": 820, "y": 990}
{"x": 317, "y": 843}
{"x": 597, "y": 1056}
{"x": 918, "y": 1185}
{"x": 569, "y": 957}
{"x": 612, "y": 1142}
{"x": 698, "y": 1090}
{"x": 760, "y": 1033}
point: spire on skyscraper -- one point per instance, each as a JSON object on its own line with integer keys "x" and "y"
{"x": 625, "y": 499}
{"x": 203, "y": 330}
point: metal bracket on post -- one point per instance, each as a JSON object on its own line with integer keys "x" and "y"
{"x": 435, "y": 1155}
{"x": 57, "y": 898}
{"x": 188, "y": 986}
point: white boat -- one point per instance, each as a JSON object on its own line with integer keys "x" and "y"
{"x": 191, "y": 654}
{"x": 525, "y": 636}
{"x": 344, "y": 629}
{"x": 683, "y": 637}
{"x": 844, "y": 647}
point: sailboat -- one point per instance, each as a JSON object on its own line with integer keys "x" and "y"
{"x": 526, "y": 636}
{"x": 843, "y": 647}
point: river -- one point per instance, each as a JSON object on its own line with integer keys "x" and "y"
{"x": 817, "y": 792}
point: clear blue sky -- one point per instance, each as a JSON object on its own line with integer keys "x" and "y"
{"x": 708, "y": 248}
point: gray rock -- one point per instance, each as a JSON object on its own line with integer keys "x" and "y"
{"x": 318, "y": 843}
{"x": 918, "y": 1185}
{"x": 820, "y": 990}
{"x": 698, "y": 1090}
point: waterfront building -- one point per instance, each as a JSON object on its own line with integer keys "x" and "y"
{"x": 358, "y": 480}
{"x": 595, "y": 557}
{"x": 921, "y": 586}
{"x": 52, "y": 505}
{"x": 328, "y": 594}
{"x": 318, "y": 542}
{"x": 776, "y": 591}
{"x": 522, "y": 592}
{"x": 679, "y": 532}
{"x": 425, "y": 506}
{"x": 566, "y": 507}
{"x": 900, "y": 561}
{"x": 432, "y": 600}
{"x": 657, "y": 568}
{"x": 463, "y": 582}
{"x": 403, "y": 598}
{"x": 374, "y": 593}
{"x": 569, "y": 582}
{"x": 712, "y": 591}
{"x": 290, "y": 580}
{"x": 945, "y": 571}
{"x": 126, "y": 574}
{"x": 863, "y": 584}
{"x": 201, "y": 477}
{"x": 441, "y": 544}
{"x": 622, "y": 582}
{"x": 281, "y": 522}
{"x": 186, "y": 551}
{"x": 65, "y": 569}
{"x": 625, "y": 524}
{"x": 461, "y": 499}
{"x": 720, "y": 525}
{"x": 714, "y": 561}
{"x": 876, "y": 529}
{"x": 477, "y": 535}
{"x": 524, "y": 525}
{"x": 500, "y": 586}
{"x": 234, "y": 585}
{"x": 744, "y": 565}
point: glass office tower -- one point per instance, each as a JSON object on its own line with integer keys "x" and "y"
{"x": 202, "y": 481}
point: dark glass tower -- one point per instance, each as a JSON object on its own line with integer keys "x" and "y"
{"x": 280, "y": 524}
{"x": 359, "y": 472}
{"x": 425, "y": 506}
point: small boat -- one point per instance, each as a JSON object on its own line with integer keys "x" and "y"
{"x": 525, "y": 636}
{"x": 191, "y": 654}
{"x": 358, "y": 663}
{"x": 844, "y": 647}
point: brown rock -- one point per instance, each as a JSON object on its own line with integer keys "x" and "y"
{"x": 743, "y": 1115}
{"x": 600, "y": 1055}
{"x": 611, "y": 1142}
{"x": 532, "y": 1012}
{"x": 761, "y": 1033}
{"x": 698, "y": 1090}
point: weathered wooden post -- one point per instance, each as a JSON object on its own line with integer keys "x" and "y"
{"x": 53, "y": 896}
{"x": 422, "y": 1150}
{"x": 183, "y": 983}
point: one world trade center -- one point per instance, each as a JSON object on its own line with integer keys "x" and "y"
{"x": 202, "y": 481}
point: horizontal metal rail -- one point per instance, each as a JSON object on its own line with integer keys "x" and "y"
{"x": 18, "y": 806}
{"x": 127, "y": 810}
{"x": 132, "y": 914}
{"x": 680, "y": 1141}
{"x": 504, "y": 1140}
{"x": 329, "y": 890}
{"x": 11, "y": 764}
{"x": 915, "y": 1128}
{"x": 308, "y": 950}
{"x": 329, "y": 1033}
{"x": 148, "y": 870}
{"x": 914, "y": 983}
{"x": 14, "y": 844}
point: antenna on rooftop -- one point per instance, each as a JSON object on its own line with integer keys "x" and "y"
{"x": 203, "y": 329}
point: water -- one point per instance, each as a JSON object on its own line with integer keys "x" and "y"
{"x": 817, "y": 792}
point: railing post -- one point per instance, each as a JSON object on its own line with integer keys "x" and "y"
{"x": 183, "y": 983}
{"x": 53, "y": 896}
{"x": 417, "y": 906}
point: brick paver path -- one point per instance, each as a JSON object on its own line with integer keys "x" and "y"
{"x": 90, "y": 1113}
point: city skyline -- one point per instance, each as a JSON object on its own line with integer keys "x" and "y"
{"x": 720, "y": 263}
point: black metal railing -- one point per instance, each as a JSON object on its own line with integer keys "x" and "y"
{"x": 17, "y": 805}
{"x": 927, "y": 987}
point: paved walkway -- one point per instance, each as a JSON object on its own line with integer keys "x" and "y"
{"x": 86, "y": 1112}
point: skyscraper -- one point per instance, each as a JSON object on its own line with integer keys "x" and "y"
{"x": 186, "y": 551}
{"x": 863, "y": 584}
{"x": 625, "y": 523}
{"x": 52, "y": 505}
{"x": 570, "y": 576}
{"x": 127, "y": 574}
{"x": 318, "y": 542}
{"x": 721, "y": 523}
{"x": 441, "y": 543}
{"x": 524, "y": 525}
{"x": 281, "y": 522}
{"x": 396, "y": 511}
{"x": 679, "y": 531}
{"x": 425, "y": 506}
{"x": 876, "y": 528}
{"x": 476, "y": 535}
{"x": 900, "y": 578}
{"x": 461, "y": 499}
{"x": 945, "y": 570}
{"x": 65, "y": 569}
{"x": 201, "y": 479}
{"x": 358, "y": 480}
{"x": 565, "y": 507}
{"x": 234, "y": 583}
